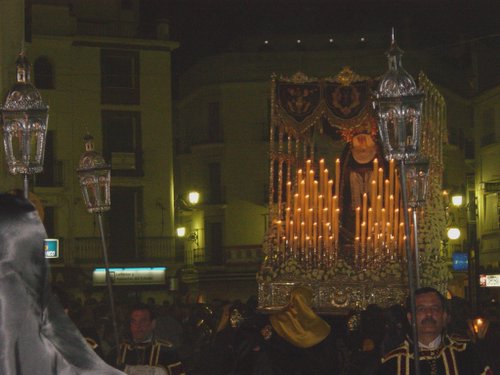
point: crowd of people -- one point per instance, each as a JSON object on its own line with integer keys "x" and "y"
{"x": 232, "y": 337}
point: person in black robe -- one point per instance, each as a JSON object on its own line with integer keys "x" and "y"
{"x": 38, "y": 338}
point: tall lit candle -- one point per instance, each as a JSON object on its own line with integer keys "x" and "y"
{"x": 303, "y": 235}
{"x": 315, "y": 235}
{"x": 299, "y": 219}
{"x": 383, "y": 221}
{"x": 380, "y": 181}
{"x": 326, "y": 230}
{"x": 310, "y": 222}
{"x": 325, "y": 182}
{"x": 363, "y": 235}
{"x": 329, "y": 194}
{"x": 379, "y": 208}
{"x": 321, "y": 175}
{"x": 302, "y": 193}
{"x": 395, "y": 224}
{"x": 288, "y": 193}
{"x": 287, "y": 220}
{"x": 388, "y": 234}
{"x": 299, "y": 176}
{"x": 370, "y": 220}
{"x": 365, "y": 206}
{"x": 391, "y": 175}
{"x": 315, "y": 195}
{"x": 337, "y": 177}
{"x": 386, "y": 193}
{"x": 311, "y": 182}
{"x": 375, "y": 169}
{"x": 308, "y": 170}
{"x": 391, "y": 209}
{"x": 358, "y": 222}
{"x": 373, "y": 193}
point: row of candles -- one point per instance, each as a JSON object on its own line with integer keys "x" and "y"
{"x": 309, "y": 228}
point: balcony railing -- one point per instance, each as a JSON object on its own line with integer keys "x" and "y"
{"x": 87, "y": 250}
{"x": 243, "y": 254}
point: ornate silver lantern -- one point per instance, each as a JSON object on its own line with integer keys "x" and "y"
{"x": 399, "y": 106}
{"x": 95, "y": 179}
{"x": 25, "y": 118}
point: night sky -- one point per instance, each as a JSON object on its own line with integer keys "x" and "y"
{"x": 207, "y": 26}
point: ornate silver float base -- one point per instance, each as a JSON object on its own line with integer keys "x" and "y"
{"x": 337, "y": 296}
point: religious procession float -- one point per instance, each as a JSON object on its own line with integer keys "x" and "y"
{"x": 339, "y": 222}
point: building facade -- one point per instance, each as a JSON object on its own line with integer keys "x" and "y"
{"x": 99, "y": 75}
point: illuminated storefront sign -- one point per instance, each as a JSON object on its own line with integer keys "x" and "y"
{"x": 130, "y": 276}
{"x": 51, "y": 248}
{"x": 460, "y": 261}
{"x": 489, "y": 281}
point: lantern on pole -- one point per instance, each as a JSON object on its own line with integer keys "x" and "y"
{"x": 95, "y": 182}
{"x": 95, "y": 179}
{"x": 25, "y": 119}
{"x": 398, "y": 103}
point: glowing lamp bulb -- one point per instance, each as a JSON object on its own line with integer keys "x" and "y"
{"x": 181, "y": 232}
{"x": 457, "y": 200}
{"x": 453, "y": 233}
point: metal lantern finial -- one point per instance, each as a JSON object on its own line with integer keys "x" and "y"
{"x": 399, "y": 105}
{"x": 25, "y": 119}
{"x": 95, "y": 178}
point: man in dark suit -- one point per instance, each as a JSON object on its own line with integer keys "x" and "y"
{"x": 440, "y": 354}
{"x": 143, "y": 350}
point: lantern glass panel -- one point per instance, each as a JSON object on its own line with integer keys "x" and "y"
{"x": 95, "y": 185}
{"x": 417, "y": 173}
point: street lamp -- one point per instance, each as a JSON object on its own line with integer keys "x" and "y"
{"x": 193, "y": 197}
{"x": 398, "y": 102}
{"x": 95, "y": 181}
{"x": 453, "y": 233}
{"x": 25, "y": 118}
{"x": 457, "y": 200}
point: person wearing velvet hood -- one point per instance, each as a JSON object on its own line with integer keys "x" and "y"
{"x": 37, "y": 337}
{"x": 297, "y": 341}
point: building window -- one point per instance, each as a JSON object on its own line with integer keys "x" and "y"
{"x": 488, "y": 127}
{"x": 122, "y": 142}
{"x": 214, "y": 124}
{"x": 491, "y": 212}
{"x": 120, "y": 83}
{"x": 215, "y": 185}
{"x": 44, "y": 77}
